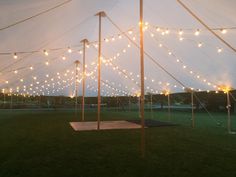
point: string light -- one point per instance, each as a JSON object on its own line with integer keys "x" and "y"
{"x": 181, "y": 38}
{"x": 181, "y": 32}
{"x": 15, "y": 56}
{"x": 69, "y": 50}
{"x": 46, "y": 52}
{"x": 199, "y": 44}
{"x": 197, "y": 32}
{"x": 167, "y": 31}
{"x": 223, "y": 31}
{"x": 219, "y": 50}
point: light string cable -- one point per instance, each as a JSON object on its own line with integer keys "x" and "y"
{"x": 193, "y": 73}
{"x": 148, "y": 55}
{"x": 36, "y": 15}
{"x": 206, "y": 26}
{"x": 159, "y": 65}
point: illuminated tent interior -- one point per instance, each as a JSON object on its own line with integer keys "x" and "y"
{"x": 41, "y": 40}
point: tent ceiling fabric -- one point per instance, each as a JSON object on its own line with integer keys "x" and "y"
{"x": 67, "y": 25}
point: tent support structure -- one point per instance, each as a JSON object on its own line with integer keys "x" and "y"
{"x": 100, "y": 15}
{"x": 84, "y": 42}
{"x": 168, "y": 99}
{"x": 192, "y": 104}
{"x": 229, "y": 114}
{"x": 11, "y": 99}
{"x": 142, "y": 79}
{"x": 151, "y": 106}
{"x": 76, "y": 86}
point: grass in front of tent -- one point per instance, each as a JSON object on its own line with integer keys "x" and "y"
{"x": 41, "y": 143}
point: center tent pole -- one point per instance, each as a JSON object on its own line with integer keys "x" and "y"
{"x": 84, "y": 42}
{"x": 142, "y": 80}
{"x": 100, "y": 15}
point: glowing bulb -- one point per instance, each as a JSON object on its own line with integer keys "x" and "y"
{"x": 130, "y": 32}
{"x": 167, "y": 31}
{"x": 181, "y": 32}
{"x": 160, "y": 45}
{"x": 63, "y": 58}
{"x": 47, "y": 63}
{"x": 45, "y": 52}
{"x": 158, "y": 29}
{"x": 219, "y": 50}
{"x": 15, "y": 71}
{"x": 15, "y": 56}
{"x": 199, "y": 44}
{"x": 69, "y": 50}
{"x": 181, "y": 39}
{"x": 223, "y": 31}
{"x": 31, "y": 68}
{"x": 197, "y": 32}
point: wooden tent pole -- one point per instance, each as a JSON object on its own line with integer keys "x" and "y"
{"x": 229, "y": 114}
{"x": 142, "y": 80}
{"x": 84, "y": 42}
{"x": 192, "y": 104}
{"x": 76, "y": 86}
{"x": 100, "y": 15}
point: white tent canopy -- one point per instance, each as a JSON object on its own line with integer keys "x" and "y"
{"x": 198, "y": 61}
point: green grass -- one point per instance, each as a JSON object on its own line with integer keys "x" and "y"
{"x": 41, "y": 143}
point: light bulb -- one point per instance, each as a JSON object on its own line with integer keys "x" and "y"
{"x": 69, "y": 50}
{"x": 15, "y": 56}
{"x": 45, "y": 52}
{"x": 197, "y": 32}
{"x": 199, "y": 44}
{"x": 223, "y": 31}
{"x": 181, "y": 32}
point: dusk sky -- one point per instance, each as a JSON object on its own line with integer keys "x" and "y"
{"x": 198, "y": 61}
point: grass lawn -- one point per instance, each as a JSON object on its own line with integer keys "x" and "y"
{"x": 41, "y": 143}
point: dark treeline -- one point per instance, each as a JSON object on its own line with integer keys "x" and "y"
{"x": 212, "y": 101}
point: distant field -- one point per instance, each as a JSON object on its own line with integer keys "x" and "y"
{"x": 41, "y": 143}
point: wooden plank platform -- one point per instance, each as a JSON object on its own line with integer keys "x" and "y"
{"x": 104, "y": 125}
